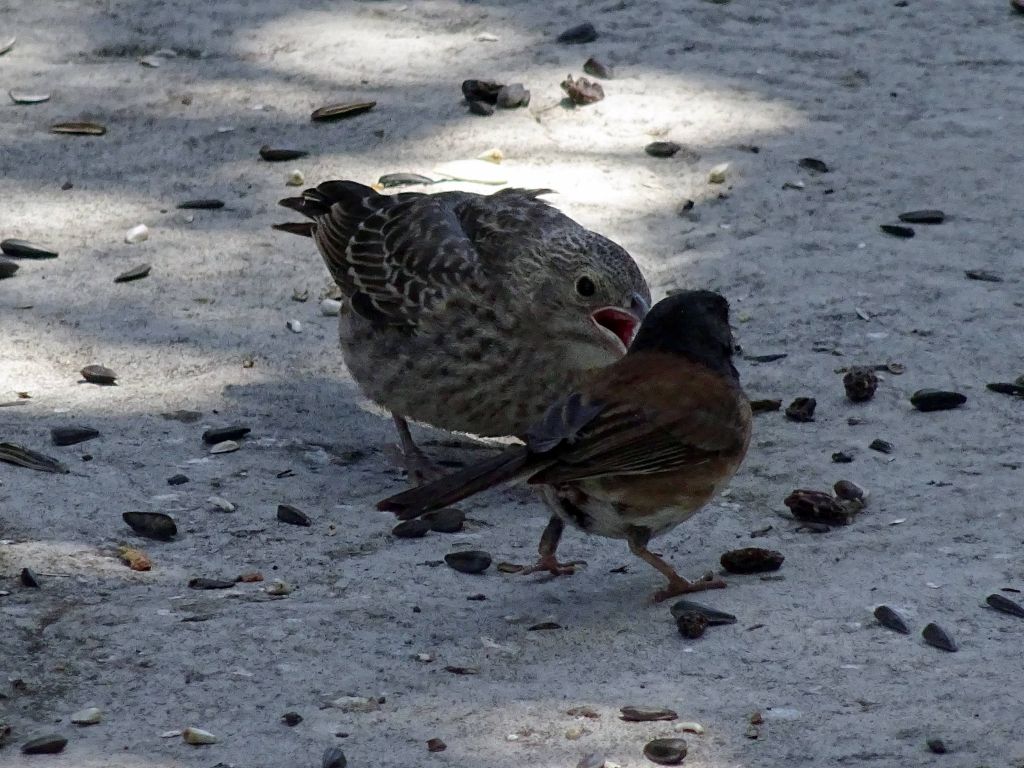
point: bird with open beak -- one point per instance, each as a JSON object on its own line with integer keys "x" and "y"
{"x": 470, "y": 312}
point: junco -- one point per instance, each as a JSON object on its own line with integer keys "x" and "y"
{"x": 637, "y": 449}
{"x": 470, "y": 312}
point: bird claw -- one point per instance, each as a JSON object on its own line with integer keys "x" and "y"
{"x": 684, "y": 587}
{"x": 417, "y": 466}
{"x": 552, "y": 566}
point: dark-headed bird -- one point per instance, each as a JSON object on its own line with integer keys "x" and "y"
{"x": 640, "y": 447}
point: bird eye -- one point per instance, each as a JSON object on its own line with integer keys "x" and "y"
{"x": 585, "y": 287}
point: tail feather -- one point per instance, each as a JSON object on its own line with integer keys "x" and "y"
{"x": 457, "y": 486}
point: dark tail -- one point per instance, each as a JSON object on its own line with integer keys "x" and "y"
{"x": 316, "y": 202}
{"x": 457, "y": 486}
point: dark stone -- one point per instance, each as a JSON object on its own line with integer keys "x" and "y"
{"x": 471, "y": 561}
{"x": 882, "y": 446}
{"x": 98, "y": 374}
{"x": 936, "y": 636}
{"x": 220, "y": 434}
{"x": 51, "y": 744}
{"x": 481, "y": 90}
{"x": 662, "y": 148}
{"x": 801, "y": 409}
{"x": 152, "y": 525}
{"x": 752, "y": 560}
{"x": 177, "y": 479}
{"x": 813, "y": 164}
{"x": 291, "y": 719}
{"x": 936, "y": 400}
{"x": 286, "y": 513}
{"x": 416, "y": 528}
{"x": 896, "y": 230}
{"x": 581, "y": 33}
{"x": 888, "y": 618}
{"x": 71, "y": 435}
{"x": 665, "y": 751}
{"x": 597, "y": 68}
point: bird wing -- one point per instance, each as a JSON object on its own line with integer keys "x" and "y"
{"x": 650, "y": 422}
{"x": 394, "y": 256}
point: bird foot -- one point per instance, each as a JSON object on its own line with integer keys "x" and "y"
{"x": 551, "y": 564}
{"x": 417, "y": 466}
{"x": 680, "y": 586}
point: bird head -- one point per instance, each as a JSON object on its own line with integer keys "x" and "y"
{"x": 592, "y": 300}
{"x": 691, "y": 324}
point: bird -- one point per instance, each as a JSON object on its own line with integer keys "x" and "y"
{"x": 469, "y": 312}
{"x": 639, "y": 448}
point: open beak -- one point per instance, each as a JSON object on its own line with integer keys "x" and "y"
{"x": 621, "y": 324}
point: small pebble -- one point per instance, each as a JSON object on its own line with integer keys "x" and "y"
{"x": 881, "y": 446}
{"x": 88, "y": 716}
{"x": 665, "y": 751}
{"x": 72, "y": 435}
{"x": 581, "y": 33}
{"x": 294, "y": 326}
{"x": 718, "y": 174}
{"x": 937, "y": 746}
{"x": 936, "y": 400}
{"x": 448, "y": 520}
{"x": 436, "y": 745}
{"x": 152, "y": 525}
{"x": 752, "y": 560}
{"x": 801, "y": 409}
{"x": 849, "y": 491}
{"x": 291, "y": 719}
{"x": 691, "y": 624}
{"x": 416, "y": 528}
{"x": 333, "y": 758}
{"x": 286, "y": 513}
{"x": 597, "y": 68}
{"x": 197, "y": 736}
{"x": 28, "y": 579}
{"x": 471, "y": 561}
{"x": 936, "y": 636}
{"x": 330, "y": 307}
{"x": 888, "y": 618}
{"x": 98, "y": 374}
{"x": 137, "y": 234}
{"x": 177, "y": 479}
{"x": 51, "y": 744}
{"x": 220, "y": 434}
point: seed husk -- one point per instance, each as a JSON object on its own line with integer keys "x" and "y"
{"x": 544, "y": 626}
{"x": 936, "y": 400}
{"x": 28, "y": 97}
{"x": 51, "y": 744}
{"x": 470, "y": 561}
{"x": 272, "y": 155}
{"x": 333, "y": 112}
{"x": 888, "y": 618}
{"x": 849, "y": 491}
{"x": 152, "y": 525}
{"x": 416, "y": 528}
{"x": 135, "y": 273}
{"x": 7, "y": 268}
{"x": 88, "y": 716}
{"x": 436, "y": 745}
{"x": 99, "y": 374}
{"x": 28, "y": 579}
{"x": 286, "y": 513}
{"x": 403, "y": 179}
{"x": 662, "y": 148}
{"x": 22, "y": 249}
{"x": 983, "y": 275}
{"x": 72, "y": 435}
{"x": 448, "y": 520}
{"x": 76, "y": 128}
{"x": 201, "y": 204}
{"x": 220, "y": 434}
{"x": 897, "y": 230}
{"x": 936, "y": 636}
{"x": 927, "y": 216}
{"x": 765, "y": 406}
{"x": 225, "y": 446}
{"x": 715, "y": 618}
{"x": 1006, "y": 388}
{"x": 1005, "y": 605}
{"x": 882, "y": 446}
{"x": 632, "y": 714}
{"x": 860, "y": 383}
{"x": 582, "y": 91}
{"x": 597, "y": 68}
{"x": 12, "y": 453}
{"x": 801, "y": 409}
{"x": 841, "y": 457}
{"x": 817, "y": 507}
{"x": 752, "y": 560}
{"x": 936, "y": 746}
{"x": 691, "y": 624}
{"x": 291, "y": 719}
{"x": 201, "y": 582}
{"x": 581, "y": 33}
{"x": 135, "y": 559}
{"x": 333, "y": 758}
{"x": 481, "y": 108}
{"x": 197, "y": 736}
{"x": 665, "y": 751}
{"x": 813, "y": 164}
{"x": 7, "y": 45}
{"x": 512, "y": 96}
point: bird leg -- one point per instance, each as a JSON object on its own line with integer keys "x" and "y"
{"x": 548, "y": 545}
{"x": 677, "y": 585}
{"x": 419, "y": 468}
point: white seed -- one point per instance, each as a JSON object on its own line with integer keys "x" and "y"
{"x": 198, "y": 736}
{"x": 225, "y": 128}
{"x": 356, "y": 704}
{"x": 492, "y": 155}
{"x": 151, "y": 61}
{"x": 426, "y": 658}
{"x": 487, "y": 37}
{"x": 227, "y": 446}
{"x": 294, "y": 326}
{"x": 279, "y": 588}
{"x": 170, "y": 734}
{"x": 330, "y": 307}
{"x": 27, "y": 97}
{"x": 137, "y": 234}
{"x": 688, "y": 727}
{"x": 717, "y": 174}
{"x": 88, "y": 716}
{"x": 575, "y": 732}
{"x": 222, "y": 504}
{"x": 295, "y": 179}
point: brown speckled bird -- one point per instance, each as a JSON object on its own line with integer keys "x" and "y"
{"x": 637, "y": 450}
{"x": 470, "y": 312}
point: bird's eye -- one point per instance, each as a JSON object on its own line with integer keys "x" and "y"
{"x": 585, "y": 287}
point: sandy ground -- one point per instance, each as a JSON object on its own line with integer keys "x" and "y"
{"x": 911, "y": 107}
